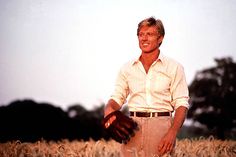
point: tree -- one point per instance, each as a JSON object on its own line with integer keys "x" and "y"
{"x": 213, "y": 97}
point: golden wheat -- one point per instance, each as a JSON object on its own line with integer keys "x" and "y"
{"x": 202, "y": 147}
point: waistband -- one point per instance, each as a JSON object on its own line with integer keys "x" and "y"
{"x": 149, "y": 114}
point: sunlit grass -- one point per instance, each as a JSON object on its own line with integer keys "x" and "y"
{"x": 201, "y": 147}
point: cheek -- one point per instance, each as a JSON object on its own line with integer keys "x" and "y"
{"x": 153, "y": 46}
{"x": 139, "y": 41}
{"x": 155, "y": 43}
{"x": 140, "y": 45}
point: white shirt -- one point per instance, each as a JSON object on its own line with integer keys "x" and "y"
{"x": 162, "y": 89}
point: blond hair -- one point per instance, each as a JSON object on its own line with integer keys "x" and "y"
{"x": 152, "y": 21}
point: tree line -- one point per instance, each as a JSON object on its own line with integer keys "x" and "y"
{"x": 27, "y": 120}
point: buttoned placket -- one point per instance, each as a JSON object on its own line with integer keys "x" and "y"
{"x": 148, "y": 87}
{"x": 148, "y": 77}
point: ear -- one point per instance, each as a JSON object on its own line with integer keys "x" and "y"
{"x": 159, "y": 40}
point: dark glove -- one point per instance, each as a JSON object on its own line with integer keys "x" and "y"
{"x": 119, "y": 126}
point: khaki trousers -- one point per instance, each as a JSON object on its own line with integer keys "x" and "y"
{"x": 146, "y": 140}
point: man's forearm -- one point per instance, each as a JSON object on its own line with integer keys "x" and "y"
{"x": 110, "y": 107}
{"x": 180, "y": 115}
{"x": 168, "y": 141}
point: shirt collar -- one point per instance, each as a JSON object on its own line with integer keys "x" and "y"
{"x": 160, "y": 57}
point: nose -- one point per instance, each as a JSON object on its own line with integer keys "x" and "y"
{"x": 144, "y": 37}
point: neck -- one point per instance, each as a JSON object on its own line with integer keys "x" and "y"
{"x": 149, "y": 58}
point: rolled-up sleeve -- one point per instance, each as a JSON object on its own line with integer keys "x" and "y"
{"x": 121, "y": 90}
{"x": 179, "y": 89}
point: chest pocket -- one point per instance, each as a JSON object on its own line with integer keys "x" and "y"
{"x": 161, "y": 82}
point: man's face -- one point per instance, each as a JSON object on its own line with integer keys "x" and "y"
{"x": 149, "y": 39}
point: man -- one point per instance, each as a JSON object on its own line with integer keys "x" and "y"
{"x": 155, "y": 86}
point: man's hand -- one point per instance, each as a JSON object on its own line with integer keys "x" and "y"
{"x": 119, "y": 126}
{"x": 167, "y": 143}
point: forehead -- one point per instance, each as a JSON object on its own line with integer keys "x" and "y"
{"x": 148, "y": 29}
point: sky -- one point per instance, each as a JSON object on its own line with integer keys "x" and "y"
{"x": 68, "y": 52}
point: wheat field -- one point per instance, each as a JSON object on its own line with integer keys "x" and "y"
{"x": 201, "y": 147}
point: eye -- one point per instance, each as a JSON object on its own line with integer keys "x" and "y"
{"x": 141, "y": 34}
{"x": 151, "y": 34}
{"x": 148, "y": 34}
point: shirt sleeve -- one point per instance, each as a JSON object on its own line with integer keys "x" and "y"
{"x": 179, "y": 89}
{"x": 121, "y": 91}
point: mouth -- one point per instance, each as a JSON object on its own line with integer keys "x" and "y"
{"x": 145, "y": 44}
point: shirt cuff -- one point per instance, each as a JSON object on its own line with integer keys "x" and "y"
{"x": 181, "y": 102}
{"x": 118, "y": 101}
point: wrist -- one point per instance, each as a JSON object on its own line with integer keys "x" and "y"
{"x": 173, "y": 130}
